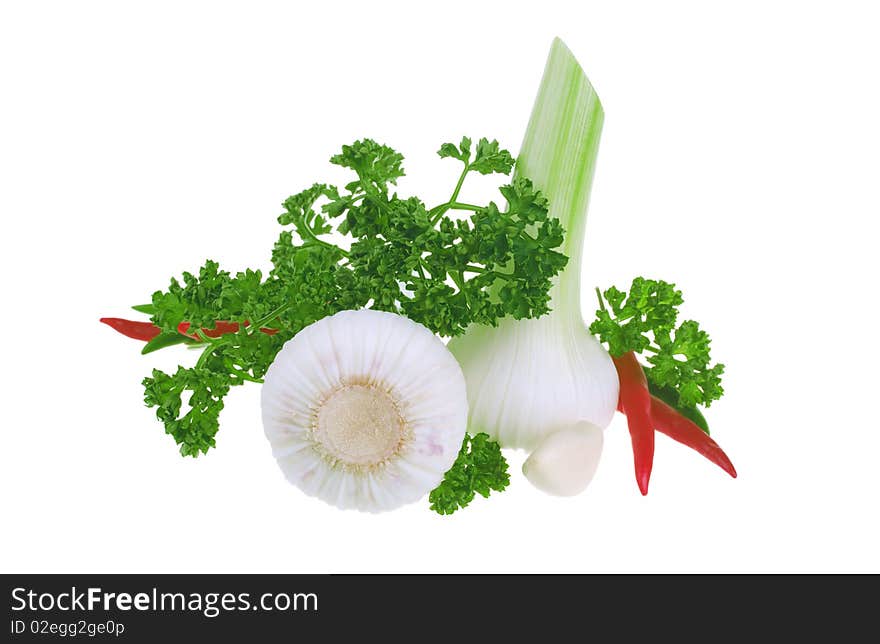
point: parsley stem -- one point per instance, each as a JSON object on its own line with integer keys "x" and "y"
{"x": 601, "y": 300}
{"x": 271, "y": 316}
{"x": 440, "y": 210}
{"x": 437, "y": 212}
{"x": 218, "y": 342}
{"x": 470, "y": 268}
{"x": 457, "y": 205}
{"x": 244, "y": 375}
{"x": 458, "y": 185}
{"x": 314, "y": 238}
{"x": 206, "y": 354}
{"x": 461, "y": 289}
{"x": 458, "y": 278}
{"x": 203, "y": 337}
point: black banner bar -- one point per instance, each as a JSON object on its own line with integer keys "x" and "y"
{"x": 415, "y": 608}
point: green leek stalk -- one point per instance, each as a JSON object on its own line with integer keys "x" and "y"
{"x": 529, "y": 378}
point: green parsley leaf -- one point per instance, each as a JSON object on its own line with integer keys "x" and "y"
{"x": 194, "y": 431}
{"x": 375, "y": 165}
{"x": 489, "y": 158}
{"x": 196, "y": 300}
{"x": 462, "y": 152}
{"x": 644, "y": 321}
{"x": 479, "y": 469}
{"x": 308, "y": 223}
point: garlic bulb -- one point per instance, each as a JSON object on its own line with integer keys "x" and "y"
{"x": 529, "y": 378}
{"x": 565, "y": 462}
{"x": 365, "y": 409}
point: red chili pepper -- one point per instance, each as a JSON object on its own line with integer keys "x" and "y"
{"x": 145, "y": 331}
{"x": 636, "y": 402}
{"x": 668, "y": 421}
{"x": 220, "y": 328}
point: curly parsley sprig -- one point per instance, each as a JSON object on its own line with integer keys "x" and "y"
{"x": 479, "y": 469}
{"x": 487, "y": 262}
{"x": 644, "y": 321}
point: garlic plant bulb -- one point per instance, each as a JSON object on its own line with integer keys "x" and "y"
{"x": 529, "y": 378}
{"x": 365, "y": 410}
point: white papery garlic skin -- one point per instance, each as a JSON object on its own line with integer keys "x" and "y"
{"x": 527, "y": 379}
{"x": 565, "y": 462}
{"x": 365, "y": 410}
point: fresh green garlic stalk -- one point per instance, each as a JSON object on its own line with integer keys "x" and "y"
{"x": 529, "y": 378}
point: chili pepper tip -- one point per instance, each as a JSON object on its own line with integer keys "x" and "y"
{"x": 144, "y": 331}
{"x": 643, "y": 483}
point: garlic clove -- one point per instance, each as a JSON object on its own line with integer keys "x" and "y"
{"x": 565, "y": 461}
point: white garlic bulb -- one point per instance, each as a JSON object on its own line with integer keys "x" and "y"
{"x": 565, "y": 461}
{"x": 529, "y": 378}
{"x": 365, "y": 410}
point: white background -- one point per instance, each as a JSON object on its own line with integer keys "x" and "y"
{"x": 739, "y": 160}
